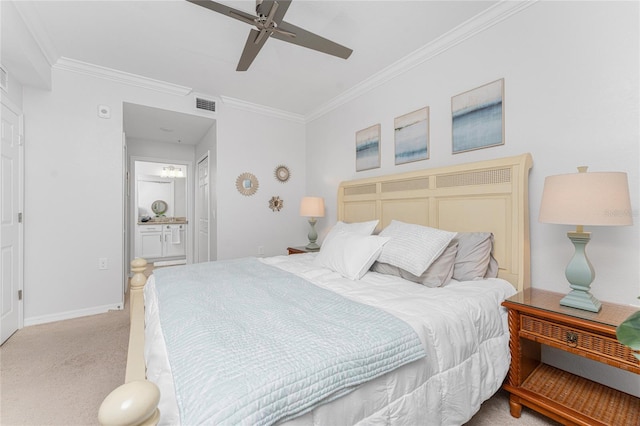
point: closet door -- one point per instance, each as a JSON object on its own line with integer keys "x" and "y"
{"x": 203, "y": 210}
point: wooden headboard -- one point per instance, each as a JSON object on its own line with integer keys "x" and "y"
{"x": 485, "y": 196}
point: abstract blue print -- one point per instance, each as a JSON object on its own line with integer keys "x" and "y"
{"x": 477, "y": 117}
{"x": 412, "y": 136}
{"x": 368, "y": 148}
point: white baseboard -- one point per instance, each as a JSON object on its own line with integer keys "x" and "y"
{"x": 43, "y": 319}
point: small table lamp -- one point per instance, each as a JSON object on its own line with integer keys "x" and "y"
{"x": 312, "y": 207}
{"x": 598, "y": 199}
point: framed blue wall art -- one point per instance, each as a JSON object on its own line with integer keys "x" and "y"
{"x": 478, "y": 117}
{"x": 411, "y": 133}
{"x": 368, "y": 148}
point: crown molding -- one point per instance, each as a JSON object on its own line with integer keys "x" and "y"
{"x": 261, "y": 109}
{"x": 98, "y": 71}
{"x": 480, "y": 22}
{"x": 34, "y": 25}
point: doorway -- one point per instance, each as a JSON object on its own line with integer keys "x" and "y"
{"x": 160, "y": 214}
{"x": 166, "y": 139}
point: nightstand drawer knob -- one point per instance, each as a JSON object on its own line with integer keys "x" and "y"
{"x": 572, "y": 339}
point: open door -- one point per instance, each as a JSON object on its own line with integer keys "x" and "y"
{"x": 11, "y": 232}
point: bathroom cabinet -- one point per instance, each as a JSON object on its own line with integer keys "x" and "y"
{"x": 173, "y": 240}
{"x": 160, "y": 241}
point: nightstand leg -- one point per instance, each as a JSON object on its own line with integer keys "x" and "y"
{"x": 515, "y": 407}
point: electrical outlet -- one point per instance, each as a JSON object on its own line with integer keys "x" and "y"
{"x": 102, "y": 263}
{"x": 261, "y": 250}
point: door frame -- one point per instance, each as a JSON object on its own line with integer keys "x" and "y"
{"x": 21, "y": 189}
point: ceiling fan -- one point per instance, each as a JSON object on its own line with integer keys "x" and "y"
{"x": 269, "y": 23}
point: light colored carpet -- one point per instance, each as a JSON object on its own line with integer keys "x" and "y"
{"x": 59, "y": 373}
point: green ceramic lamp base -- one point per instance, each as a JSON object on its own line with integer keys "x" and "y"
{"x": 580, "y": 275}
{"x": 313, "y": 236}
{"x": 581, "y": 300}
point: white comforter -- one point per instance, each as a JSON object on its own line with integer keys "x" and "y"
{"x": 462, "y": 326}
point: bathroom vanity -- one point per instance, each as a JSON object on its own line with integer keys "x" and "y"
{"x": 161, "y": 239}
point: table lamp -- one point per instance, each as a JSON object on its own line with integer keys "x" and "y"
{"x": 312, "y": 207}
{"x": 596, "y": 199}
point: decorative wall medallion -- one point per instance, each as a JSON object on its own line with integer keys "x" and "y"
{"x": 282, "y": 173}
{"x": 275, "y": 204}
{"x": 247, "y": 184}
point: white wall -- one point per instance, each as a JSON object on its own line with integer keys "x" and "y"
{"x": 21, "y": 51}
{"x": 571, "y": 98}
{"x": 257, "y": 143}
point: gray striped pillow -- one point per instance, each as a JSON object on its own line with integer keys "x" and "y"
{"x": 413, "y": 247}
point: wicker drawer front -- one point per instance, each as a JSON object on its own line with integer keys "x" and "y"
{"x": 602, "y": 348}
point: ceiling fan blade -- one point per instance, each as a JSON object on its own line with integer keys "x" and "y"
{"x": 310, "y": 40}
{"x": 243, "y": 18}
{"x": 225, "y": 10}
{"x": 261, "y": 35}
{"x": 251, "y": 49}
{"x": 279, "y": 31}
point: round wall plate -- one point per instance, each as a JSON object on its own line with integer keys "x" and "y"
{"x": 282, "y": 173}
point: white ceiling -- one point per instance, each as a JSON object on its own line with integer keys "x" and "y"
{"x": 185, "y": 44}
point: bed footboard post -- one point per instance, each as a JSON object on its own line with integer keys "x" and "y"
{"x": 136, "y": 402}
{"x": 138, "y": 280}
{"x": 132, "y": 404}
{"x": 136, "y": 367}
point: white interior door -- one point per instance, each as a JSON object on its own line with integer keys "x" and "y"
{"x": 203, "y": 210}
{"x": 10, "y": 218}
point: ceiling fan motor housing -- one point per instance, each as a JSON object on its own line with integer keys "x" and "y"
{"x": 260, "y": 11}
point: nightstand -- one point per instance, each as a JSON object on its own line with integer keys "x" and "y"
{"x": 300, "y": 249}
{"x": 536, "y": 318}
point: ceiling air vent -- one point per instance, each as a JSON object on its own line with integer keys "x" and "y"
{"x": 206, "y": 104}
{"x": 4, "y": 79}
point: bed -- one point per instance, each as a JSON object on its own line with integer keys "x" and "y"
{"x": 461, "y": 356}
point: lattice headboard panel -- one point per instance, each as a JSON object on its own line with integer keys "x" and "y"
{"x": 486, "y": 196}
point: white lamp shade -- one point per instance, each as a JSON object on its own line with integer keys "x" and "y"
{"x": 312, "y": 207}
{"x": 597, "y": 199}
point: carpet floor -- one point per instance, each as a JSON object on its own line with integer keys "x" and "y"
{"x": 59, "y": 373}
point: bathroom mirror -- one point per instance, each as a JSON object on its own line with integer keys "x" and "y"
{"x": 247, "y": 184}
{"x": 155, "y": 197}
{"x": 159, "y": 207}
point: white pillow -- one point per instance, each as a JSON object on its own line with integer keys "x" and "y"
{"x": 362, "y": 228}
{"x": 350, "y": 254}
{"x": 413, "y": 247}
